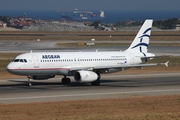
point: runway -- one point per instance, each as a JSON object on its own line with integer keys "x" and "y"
{"x": 112, "y": 86}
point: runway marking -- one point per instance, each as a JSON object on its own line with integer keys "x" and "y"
{"x": 90, "y": 94}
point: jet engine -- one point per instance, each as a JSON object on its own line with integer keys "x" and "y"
{"x": 85, "y": 76}
{"x": 42, "y": 77}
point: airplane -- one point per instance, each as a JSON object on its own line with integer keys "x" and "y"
{"x": 84, "y": 66}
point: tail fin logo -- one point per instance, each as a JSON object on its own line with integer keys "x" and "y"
{"x": 141, "y": 43}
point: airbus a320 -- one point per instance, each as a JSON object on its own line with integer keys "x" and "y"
{"x": 84, "y": 66}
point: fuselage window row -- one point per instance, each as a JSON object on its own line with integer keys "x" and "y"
{"x": 71, "y": 60}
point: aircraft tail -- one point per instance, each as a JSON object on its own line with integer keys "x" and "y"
{"x": 141, "y": 41}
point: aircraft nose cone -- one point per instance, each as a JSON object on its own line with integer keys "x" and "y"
{"x": 9, "y": 68}
{"x": 14, "y": 69}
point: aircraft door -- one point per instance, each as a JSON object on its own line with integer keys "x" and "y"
{"x": 76, "y": 60}
{"x": 36, "y": 61}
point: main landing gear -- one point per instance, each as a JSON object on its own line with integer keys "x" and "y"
{"x": 66, "y": 81}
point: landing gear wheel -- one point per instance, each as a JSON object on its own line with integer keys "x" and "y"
{"x": 63, "y": 80}
{"x": 29, "y": 84}
{"x": 66, "y": 80}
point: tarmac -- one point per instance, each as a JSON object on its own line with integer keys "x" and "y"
{"x": 112, "y": 86}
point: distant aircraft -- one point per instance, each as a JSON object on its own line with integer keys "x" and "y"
{"x": 84, "y": 66}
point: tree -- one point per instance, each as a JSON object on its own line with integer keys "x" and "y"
{"x": 5, "y": 19}
{"x": 166, "y": 24}
{"x": 96, "y": 23}
{"x": 1, "y": 17}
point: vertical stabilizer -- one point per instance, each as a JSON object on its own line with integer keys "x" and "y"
{"x": 141, "y": 41}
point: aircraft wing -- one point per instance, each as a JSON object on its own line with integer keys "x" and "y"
{"x": 130, "y": 66}
{"x": 117, "y": 66}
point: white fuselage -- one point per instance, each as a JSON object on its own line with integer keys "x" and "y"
{"x": 61, "y": 63}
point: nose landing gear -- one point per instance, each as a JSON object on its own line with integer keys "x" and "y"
{"x": 29, "y": 81}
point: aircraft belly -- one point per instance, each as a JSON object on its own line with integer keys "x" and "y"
{"x": 17, "y": 72}
{"x": 63, "y": 72}
{"x": 41, "y": 72}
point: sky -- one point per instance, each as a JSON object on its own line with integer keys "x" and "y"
{"x": 69, "y": 5}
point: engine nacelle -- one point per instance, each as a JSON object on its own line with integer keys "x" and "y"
{"x": 42, "y": 77}
{"x": 85, "y": 76}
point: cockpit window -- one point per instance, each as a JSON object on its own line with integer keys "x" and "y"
{"x": 25, "y": 60}
{"x": 20, "y": 60}
{"x": 16, "y": 60}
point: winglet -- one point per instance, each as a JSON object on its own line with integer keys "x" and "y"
{"x": 166, "y": 63}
